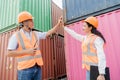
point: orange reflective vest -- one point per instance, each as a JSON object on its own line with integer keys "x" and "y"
{"x": 28, "y": 61}
{"x": 89, "y": 56}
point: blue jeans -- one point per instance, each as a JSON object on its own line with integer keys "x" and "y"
{"x": 87, "y": 75}
{"x": 33, "y": 73}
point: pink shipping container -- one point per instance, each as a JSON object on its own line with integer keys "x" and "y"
{"x": 109, "y": 25}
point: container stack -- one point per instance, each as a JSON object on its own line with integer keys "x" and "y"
{"x": 56, "y": 14}
{"x": 52, "y": 48}
{"x": 60, "y": 69}
{"x": 108, "y": 14}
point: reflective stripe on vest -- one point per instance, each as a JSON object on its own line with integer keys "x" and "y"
{"x": 88, "y": 53}
{"x": 23, "y": 47}
{"x": 28, "y": 58}
{"x": 21, "y": 41}
{"x": 90, "y": 63}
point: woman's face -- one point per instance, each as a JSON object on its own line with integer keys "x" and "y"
{"x": 85, "y": 28}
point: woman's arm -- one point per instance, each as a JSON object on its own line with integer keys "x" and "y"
{"x": 75, "y": 35}
{"x": 99, "y": 44}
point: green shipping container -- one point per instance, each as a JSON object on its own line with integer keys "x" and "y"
{"x": 9, "y": 9}
{"x": 40, "y": 9}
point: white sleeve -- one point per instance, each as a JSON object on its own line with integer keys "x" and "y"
{"x": 74, "y": 34}
{"x": 41, "y": 35}
{"x": 12, "y": 44}
{"x": 99, "y": 44}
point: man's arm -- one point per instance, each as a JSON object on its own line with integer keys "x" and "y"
{"x": 15, "y": 53}
{"x": 54, "y": 28}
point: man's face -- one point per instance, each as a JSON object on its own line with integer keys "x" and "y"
{"x": 29, "y": 23}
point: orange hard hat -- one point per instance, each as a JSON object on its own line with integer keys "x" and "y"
{"x": 92, "y": 20}
{"x": 23, "y": 16}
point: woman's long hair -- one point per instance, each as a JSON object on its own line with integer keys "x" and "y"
{"x": 96, "y": 32}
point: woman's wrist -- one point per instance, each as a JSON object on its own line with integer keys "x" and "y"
{"x": 101, "y": 74}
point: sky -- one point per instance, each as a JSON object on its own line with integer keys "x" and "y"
{"x": 58, "y": 2}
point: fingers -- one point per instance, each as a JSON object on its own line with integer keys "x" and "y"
{"x": 34, "y": 48}
{"x": 61, "y": 21}
{"x": 33, "y": 52}
{"x": 61, "y": 17}
{"x": 100, "y": 78}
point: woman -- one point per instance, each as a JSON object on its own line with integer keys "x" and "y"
{"x": 92, "y": 47}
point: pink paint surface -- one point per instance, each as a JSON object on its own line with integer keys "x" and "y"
{"x": 109, "y": 25}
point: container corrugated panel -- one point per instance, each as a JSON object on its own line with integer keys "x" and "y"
{"x": 40, "y": 9}
{"x": 53, "y": 57}
{"x": 9, "y": 11}
{"x": 73, "y": 55}
{"x": 75, "y": 10}
{"x": 60, "y": 62}
{"x": 47, "y": 53}
{"x": 7, "y": 72}
{"x": 56, "y": 14}
{"x": 109, "y": 26}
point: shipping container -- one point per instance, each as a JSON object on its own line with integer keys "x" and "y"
{"x": 53, "y": 57}
{"x": 8, "y": 68}
{"x": 59, "y": 56}
{"x": 75, "y": 10}
{"x": 109, "y": 26}
{"x": 40, "y": 9}
{"x": 8, "y": 14}
{"x": 46, "y": 47}
{"x": 57, "y": 12}
{"x": 73, "y": 54}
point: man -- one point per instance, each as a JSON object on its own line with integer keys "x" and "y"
{"x": 24, "y": 46}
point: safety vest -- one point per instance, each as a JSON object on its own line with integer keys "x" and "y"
{"x": 89, "y": 53}
{"x": 28, "y": 61}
